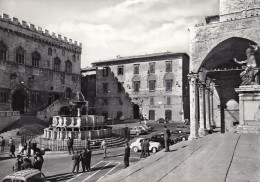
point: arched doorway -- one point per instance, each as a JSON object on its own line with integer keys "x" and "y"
{"x": 136, "y": 111}
{"x": 20, "y": 101}
{"x": 68, "y": 93}
{"x": 64, "y": 111}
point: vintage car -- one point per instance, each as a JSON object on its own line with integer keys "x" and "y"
{"x": 28, "y": 175}
{"x": 137, "y": 131}
{"x": 182, "y": 128}
{"x": 154, "y": 146}
{"x": 161, "y": 120}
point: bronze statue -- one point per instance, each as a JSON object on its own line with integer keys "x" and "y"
{"x": 249, "y": 76}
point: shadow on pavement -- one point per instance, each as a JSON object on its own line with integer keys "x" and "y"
{"x": 102, "y": 167}
{"x": 59, "y": 177}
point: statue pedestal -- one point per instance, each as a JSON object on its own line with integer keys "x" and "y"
{"x": 249, "y": 109}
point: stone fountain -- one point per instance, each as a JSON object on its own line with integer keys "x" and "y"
{"x": 75, "y": 125}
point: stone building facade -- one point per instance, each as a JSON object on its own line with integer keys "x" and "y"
{"x": 214, "y": 74}
{"x": 88, "y": 87}
{"x": 36, "y": 67}
{"x": 153, "y": 86}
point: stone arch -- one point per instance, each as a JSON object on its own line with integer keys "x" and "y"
{"x": 136, "y": 78}
{"x": 64, "y": 110}
{"x": 20, "y": 96}
{"x": 212, "y": 70}
{"x": 225, "y": 51}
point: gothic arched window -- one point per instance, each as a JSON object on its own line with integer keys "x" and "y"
{"x": 68, "y": 68}
{"x": 50, "y": 51}
{"x": 20, "y": 55}
{"x": 36, "y": 57}
{"x": 56, "y": 65}
{"x": 3, "y": 50}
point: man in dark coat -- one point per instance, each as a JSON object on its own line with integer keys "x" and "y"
{"x": 12, "y": 150}
{"x": 2, "y": 144}
{"x": 88, "y": 160}
{"x": 29, "y": 148}
{"x": 37, "y": 163}
{"x": 126, "y": 132}
{"x": 127, "y": 155}
{"x": 167, "y": 135}
{"x": 76, "y": 158}
{"x": 142, "y": 148}
{"x": 147, "y": 145}
{"x": 70, "y": 143}
{"x": 83, "y": 159}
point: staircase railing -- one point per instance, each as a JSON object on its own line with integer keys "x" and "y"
{"x": 52, "y": 109}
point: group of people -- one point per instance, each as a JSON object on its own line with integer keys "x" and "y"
{"x": 145, "y": 144}
{"x": 83, "y": 157}
{"x": 10, "y": 143}
{"x": 34, "y": 162}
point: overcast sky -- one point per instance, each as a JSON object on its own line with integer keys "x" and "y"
{"x": 108, "y": 28}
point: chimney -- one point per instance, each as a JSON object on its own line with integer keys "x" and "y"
{"x": 65, "y": 39}
{"x": 59, "y": 37}
{"x": 70, "y": 41}
{"x": 75, "y": 42}
{"x": 53, "y": 35}
{"x": 80, "y": 44}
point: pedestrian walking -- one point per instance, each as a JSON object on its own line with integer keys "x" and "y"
{"x": 127, "y": 155}
{"x": 34, "y": 146}
{"x": 12, "y": 150}
{"x": 18, "y": 163}
{"x": 142, "y": 149}
{"x": 76, "y": 159}
{"x": 70, "y": 143}
{"x": 37, "y": 163}
{"x": 40, "y": 157}
{"x": 104, "y": 147}
{"x": 167, "y": 135}
{"x": 88, "y": 159}
{"x": 2, "y": 144}
{"x": 88, "y": 144}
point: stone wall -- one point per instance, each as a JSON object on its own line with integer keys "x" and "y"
{"x": 7, "y": 118}
{"x": 206, "y": 37}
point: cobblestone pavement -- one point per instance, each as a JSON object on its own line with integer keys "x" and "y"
{"x": 213, "y": 158}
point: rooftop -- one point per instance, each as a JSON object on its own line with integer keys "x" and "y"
{"x": 154, "y": 55}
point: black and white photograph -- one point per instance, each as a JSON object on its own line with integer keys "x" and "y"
{"x": 129, "y": 90}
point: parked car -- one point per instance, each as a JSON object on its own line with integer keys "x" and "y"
{"x": 137, "y": 131}
{"x": 161, "y": 120}
{"x": 27, "y": 175}
{"x": 160, "y": 138}
{"x": 182, "y": 128}
{"x": 154, "y": 146}
{"x": 179, "y": 136}
{"x": 148, "y": 127}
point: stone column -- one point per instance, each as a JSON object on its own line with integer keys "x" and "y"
{"x": 207, "y": 110}
{"x": 202, "y": 129}
{"x": 193, "y": 106}
{"x": 212, "y": 85}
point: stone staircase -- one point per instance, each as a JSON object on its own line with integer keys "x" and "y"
{"x": 27, "y": 125}
{"x": 52, "y": 109}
